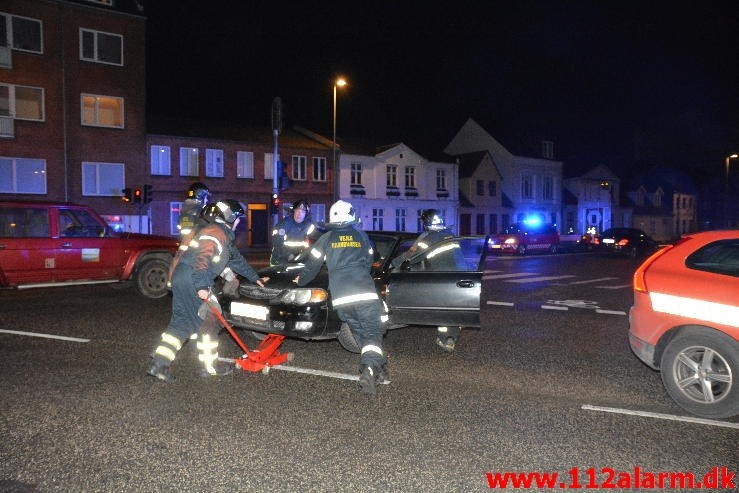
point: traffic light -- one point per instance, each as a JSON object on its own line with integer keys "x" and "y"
{"x": 137, "y": 196}
{"x": 126, "y": 197}
{"x": 275, "y": 204}
{"x": 147, "y": 194}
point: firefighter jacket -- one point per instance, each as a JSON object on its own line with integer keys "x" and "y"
{"x": 348, "y": 254}
{"x": 423, "y": 242}
{"x": 210, "y": 251}
{"x": 289, "y": 239}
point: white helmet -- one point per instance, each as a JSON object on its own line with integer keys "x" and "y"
{"x": 342, "y": 213}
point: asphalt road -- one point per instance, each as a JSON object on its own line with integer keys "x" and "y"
{"x": 533, "y": 390}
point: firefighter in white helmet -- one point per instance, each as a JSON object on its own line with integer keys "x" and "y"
{"x": 348, "y": 254}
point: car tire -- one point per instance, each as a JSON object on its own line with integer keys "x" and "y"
{"x": 151, "y": 278}
{"x": 347, "y": 340}
{"x": 682, "y": 361}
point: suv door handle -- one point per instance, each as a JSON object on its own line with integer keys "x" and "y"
{"x": 466, "y": 284}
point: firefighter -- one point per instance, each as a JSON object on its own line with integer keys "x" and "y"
{"x": 291, "y": 235}
{"x": 209, "y": 252}
{"x": 434, "y": 231}
{"x": 348, "y": 254}
{"x": 198, "y": 197}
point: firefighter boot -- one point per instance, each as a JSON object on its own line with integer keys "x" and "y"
{"x": 218, "y": 369}
{"x": 161, "y": 372}
{"x": 368, "y": 381}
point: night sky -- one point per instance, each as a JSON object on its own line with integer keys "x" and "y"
{"x": 622, "y": 83}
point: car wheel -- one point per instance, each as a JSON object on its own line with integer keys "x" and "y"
{"x": 347, "y": 340}
{"x": 151, "y": 278}
{"x": 700, "y": 370}
{"x": 521, "y": 250}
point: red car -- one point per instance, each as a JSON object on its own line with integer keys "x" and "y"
{"x": 685, "y": 321}
{"x": 528, "y": 236}
{"x": 59, "y": 244}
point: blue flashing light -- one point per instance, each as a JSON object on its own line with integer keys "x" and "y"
{"x": 532, "y": 221}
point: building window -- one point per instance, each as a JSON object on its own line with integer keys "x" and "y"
{"x": 26, "y": 33}
{"x": 244, "y": 164}
{"x": 356, "y": 174}
{"x": 391, "y": 175}
{"x": 377, "y": 219}
{"x": 22, "y": 102}
{"x": 399, "y": 219}
{"x": 22, "y": 175}
{"x": 102, "y": 111}
{"x": 480, "y": 224}
{"x": 174, "y": 217}
{"x": 493, "y": 224}
{"x": 300, "y": 168}
{"x": 547, "y": 149}
{"x": 100, "y": 47}
{"x": 480, "y": 187}
{"x": 492, "y": 188}
{"x": 318, "y": 213}
{"x": 527, "y": 187}
{"x": 410, "y": 177}
{"x": 440, "y": 179}
{"x": 103, "y": 179}
{"x": 268, "y": 165}
{"x": 548, "y": 188}
{"x": 189, "y": 161}
{"x": 319, "y": 169}
{"x": 214, "y": 163}
{"x": 160, "y": 160}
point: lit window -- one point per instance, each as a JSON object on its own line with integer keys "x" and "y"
{"x": 102, "y": 111}
{"x": 22, "y": 102}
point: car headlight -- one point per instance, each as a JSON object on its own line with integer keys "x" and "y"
{"x": 510, "y": 241}
{"x": 303, "y": 296}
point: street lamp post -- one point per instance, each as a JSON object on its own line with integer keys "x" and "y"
{"x": 729, "y": 215}
{"x": 340, "y": 82}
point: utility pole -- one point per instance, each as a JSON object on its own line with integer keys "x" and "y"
{"x": 276, "y": 129}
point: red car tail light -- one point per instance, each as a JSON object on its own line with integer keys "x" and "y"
{"x": 623, "y": 242}
{"x": 640, "y": 283}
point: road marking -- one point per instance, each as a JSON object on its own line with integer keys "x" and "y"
{"x": 500, "y": 303}
{"x": 508, "y": 276}
{"x": 672, "y": 417}
{"x": 553, "y": 307}
{"x": 47, "y": 336}
{"x": 614, "y": 287}
{"x": 593, "y": 280}
{"x": 610, "y": 312}
{"x": 540, "y": 279}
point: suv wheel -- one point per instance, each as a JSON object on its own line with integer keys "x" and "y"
{"x": 347, "y": 340}
{"x": 151, "y": 278}
{"x": 700, "y": 370}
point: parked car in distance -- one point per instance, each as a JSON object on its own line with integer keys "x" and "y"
{"x": 685, "y": 321}
{"x": 631, "y": 242}
{"x": 528, "y": 236}
{"x": 44, "y": 244}
{"x": 438, "y": 286}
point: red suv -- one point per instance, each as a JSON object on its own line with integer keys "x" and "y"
{"x": 524, "y": 237}
{"x": 685, "y": 321}
{"x": 56, "y": 244}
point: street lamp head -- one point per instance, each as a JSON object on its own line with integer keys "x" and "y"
{"x": 340, "y": 82}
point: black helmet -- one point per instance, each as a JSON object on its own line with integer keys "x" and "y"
{"x": 198, "y": 191}
{"x": 301, "y": 202}
{"x": 431, "y": 220}
{"x": 227, "y": 211}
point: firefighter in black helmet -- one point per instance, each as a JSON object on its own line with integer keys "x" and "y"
{"x": 210, "y": 251}
{"x": 291, "y": 235}
{"x": 348, "y": 254}
{"x": 434, "y": 231}
{"x": 196, "y": 199}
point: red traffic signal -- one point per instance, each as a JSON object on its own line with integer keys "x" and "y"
{"x": 275, "y": 205}
{"x": 137, "y": 196}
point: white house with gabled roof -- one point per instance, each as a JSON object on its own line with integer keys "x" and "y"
{"x": 391, "y": 188}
